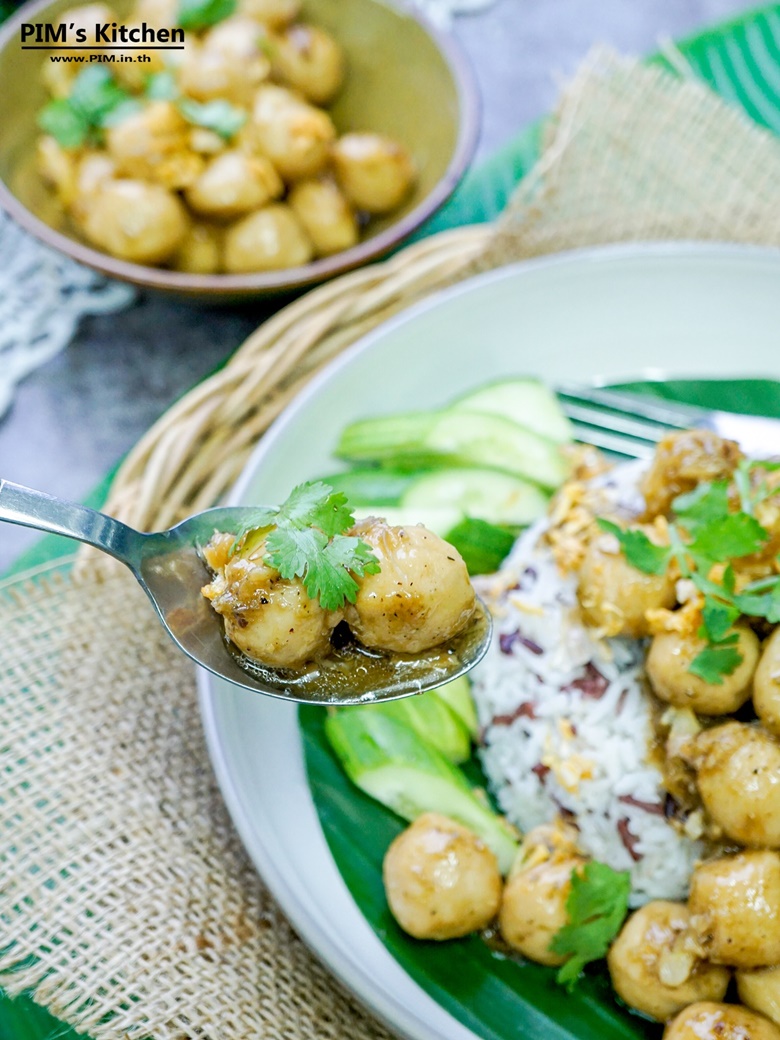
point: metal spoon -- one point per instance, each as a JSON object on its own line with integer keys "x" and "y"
{"x": 169, "y": 568}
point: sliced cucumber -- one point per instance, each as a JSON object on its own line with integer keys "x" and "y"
{"x": 439, "y": 519}
{"x": 526, "y": 401}
{"x": 486, "y": 494}
{"x": 432, "y": 719}
{"x": 457, "y": 695}
{"x": 456, "y": 437}
{"x": 371, "y": 485}
{"x": 392, "y": 764}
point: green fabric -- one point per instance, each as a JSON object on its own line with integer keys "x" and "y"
{"x": 740, "y": 59}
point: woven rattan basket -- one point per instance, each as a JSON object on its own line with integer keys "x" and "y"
{"x": 194, "y": 453}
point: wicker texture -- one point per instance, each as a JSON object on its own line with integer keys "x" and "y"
{"x": 130, "y": 909}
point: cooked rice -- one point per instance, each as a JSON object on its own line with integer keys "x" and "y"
{"x": 566, "y": 722}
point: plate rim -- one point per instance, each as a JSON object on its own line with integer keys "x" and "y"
{"x": 396, "y": 1016}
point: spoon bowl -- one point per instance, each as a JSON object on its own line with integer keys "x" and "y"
{"x": 169, "y": 567}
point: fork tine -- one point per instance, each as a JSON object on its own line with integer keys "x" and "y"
{"x": 615, "y": 422}
{"x": 675, "y": 416}
{"x": 616, "y": 443}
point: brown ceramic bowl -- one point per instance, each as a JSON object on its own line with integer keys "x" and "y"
{"x": 405, "y": 79}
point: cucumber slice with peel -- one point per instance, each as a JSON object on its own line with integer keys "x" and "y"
{"x": 526, "y": 401}
{"x": 432, "y": 719}
{"x": 484, "y": 494}
{"x": 457, "y": 695}
{"x": 371, "y": 485}
{"x": 391, "y": 763}
{"x": 456, "y": 437}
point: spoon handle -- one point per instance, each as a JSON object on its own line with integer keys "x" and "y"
{"x": 29, "y": 508}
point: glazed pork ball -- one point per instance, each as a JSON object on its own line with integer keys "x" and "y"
{"x": 309, "y": 60}
{"x": 325, "y": 214}
{"x": 273, "y": 13}
{"x": 200, "y": 251}
{"x": 668, "y": 669}
{"x": 766, "y": 684}
{"x": 710, "y": 1021}
{"x": 268, "y": 240}
{"x": 272, "y": 619}
{"x": 293, "y": 134}
{"x": 440, "y": 879}
{"x": 133, "y": 68}
{"x": 735, "y": 909}
{"x": 615, "y": 596}
{"x": 135, "y": 220}
{"x": 85, "y": 17}
{"x": 652, "y": 968}
{"x": 533, "y": 904}
{"x": 232, "y": 184}
{"x": 153, "y": 145}
{"x": 738, "y": 777}
{"x": 227, "y": 65}
{"x": 375, "y": 172}
{"x": 422, "y": 595}
{"x": 760, "y": 990}
{"x": 681, "y": 462}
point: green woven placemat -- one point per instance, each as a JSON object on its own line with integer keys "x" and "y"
{"x": 739, "y": 59}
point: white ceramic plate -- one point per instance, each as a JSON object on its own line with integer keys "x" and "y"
{"x": 599, "y": 315}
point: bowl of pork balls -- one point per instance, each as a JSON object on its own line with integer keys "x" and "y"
{"x": 229, "y": 148}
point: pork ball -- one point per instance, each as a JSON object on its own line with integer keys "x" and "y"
{"x": 137, "y": 221}
{"x": 271, "y": 619}
{"x": 309, "y": 60}
{"x": 441, "y": 880}
{"x": 652, "y": 967}
{"x": 533, "y": 904}
{"x": 760, "y": 990}
{"x": 325, "y": 214}
{"x": 738, "y": 777}
{"x": 766, "y": 684}
{"x": 293, "y": 134}
{"x": 232, "y": 184}
{"x": 668, "y": 669}
{"x": 710, "y": 1021}
{"x": 375, "y": 172}
{"x": 735, "y": 909}
{"x": 200, "y": 251}
{"x": 268, "y": 240}
{"x": 420, "y": 598}
{"x": 615, "y": 596}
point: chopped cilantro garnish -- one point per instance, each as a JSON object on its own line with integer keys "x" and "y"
{"x": 219, "y": 115}
{"x": 95, "y": 101}
{"x": 640, "y": 552}
{"x": 308, "y": 542}
{"x": 195, "y": 15}
{"x": 706, "y": 532}
{"x": 161, "y": 86}
{"x": 596, "y": 908}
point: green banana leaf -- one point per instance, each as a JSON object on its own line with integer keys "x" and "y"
{"x": 496, "y": 997}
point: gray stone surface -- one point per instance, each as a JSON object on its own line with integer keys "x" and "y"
{"x": 75, "y": 417}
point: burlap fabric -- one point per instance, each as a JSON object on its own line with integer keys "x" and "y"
{"x": 127, "y": 906}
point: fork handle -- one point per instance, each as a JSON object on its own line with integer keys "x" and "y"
{"x": 29, "y": 508}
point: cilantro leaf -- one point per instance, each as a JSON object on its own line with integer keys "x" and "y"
{"x": 596, "y": 908}
{"x": 640, "y": 552}
{"x": 764, "y": 604}
{"x": 713, "y": 662}
{"x": 62, "y": 122}
{"x": 708, "y": 501}
{"x": 308, "y": 542}
{"x": 219, "y": 115}
{"x": 200, "y": 14}
{"x": 728, "y": 537}
{"x": 718, "y": 618}
{"x": 161, "y": 86}
{"x": 330, "y": 576}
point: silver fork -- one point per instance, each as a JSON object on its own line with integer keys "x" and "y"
{"x": 630, "y": 425}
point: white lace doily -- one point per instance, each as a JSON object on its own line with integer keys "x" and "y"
{"x": 42, "y": 297}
